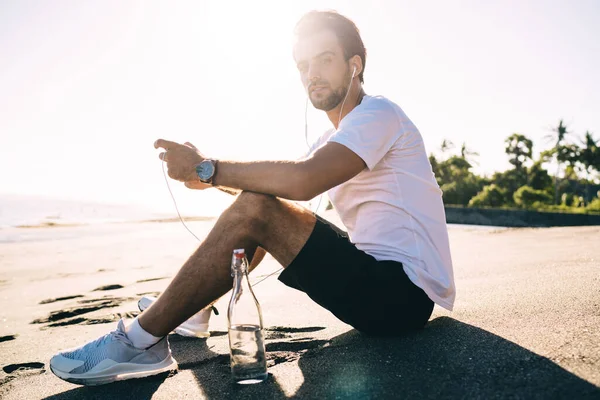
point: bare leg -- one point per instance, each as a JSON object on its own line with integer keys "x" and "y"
{"x": 259, "y": 254}
{"x": 277, "y": 226}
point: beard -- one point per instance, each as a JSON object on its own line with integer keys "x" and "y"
{"x": 335, "y": 98}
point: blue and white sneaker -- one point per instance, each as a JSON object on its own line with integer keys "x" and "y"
{"x": 112, "y": 358}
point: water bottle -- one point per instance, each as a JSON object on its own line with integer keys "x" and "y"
{"x": 246, "y": 345}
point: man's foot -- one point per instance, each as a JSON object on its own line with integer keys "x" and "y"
{"x": 111, "y": 358}
{"x": 195, "y": 326}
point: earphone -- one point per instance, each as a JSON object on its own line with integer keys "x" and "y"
{"x": 345, "y": 97}
{"x": 339, "y": 120}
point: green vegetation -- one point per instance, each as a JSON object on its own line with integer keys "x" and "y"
{"x": 574, "y": 186}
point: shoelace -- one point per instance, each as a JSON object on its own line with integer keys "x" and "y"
{"x": 114, "y": 335}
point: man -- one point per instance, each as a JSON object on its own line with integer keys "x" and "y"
{"x": 382, "y": 278}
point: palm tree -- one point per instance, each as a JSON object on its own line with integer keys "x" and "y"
{"x": 560, "y": 132}
{"x": 569, "y": 154}
{"x": 446, "y": 146}
{"x": 590, "y": 158}
{"x": 466, "y": 153}
{"x": 520, "y": 149}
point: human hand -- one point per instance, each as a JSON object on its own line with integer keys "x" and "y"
{"x": 181, "y": 160}
{"x": 197, "y": 184}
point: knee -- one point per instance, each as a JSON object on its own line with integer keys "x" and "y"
{"x": 254, "y": 209}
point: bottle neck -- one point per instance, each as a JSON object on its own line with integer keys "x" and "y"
{"x": 243, "y": 306}
{"x": 239, "y": 272}
{"x": 239, "y": 267}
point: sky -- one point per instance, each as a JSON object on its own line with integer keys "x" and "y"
{"x": 86, "y": 87}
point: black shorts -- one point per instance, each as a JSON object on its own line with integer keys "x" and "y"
{"x": 375, "y": 297}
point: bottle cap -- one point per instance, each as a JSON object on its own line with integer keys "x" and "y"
{"x": 239, "y": 253}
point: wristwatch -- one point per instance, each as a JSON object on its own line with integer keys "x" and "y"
{"x": 206, "y": 171}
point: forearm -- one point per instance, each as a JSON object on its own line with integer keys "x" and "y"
{"x": 283, "y": 179}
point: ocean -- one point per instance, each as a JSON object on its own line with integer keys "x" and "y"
{"x": 34, "y": 211}
{"x": 18, "y": 212}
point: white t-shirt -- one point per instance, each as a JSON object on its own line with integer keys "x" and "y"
{"x": 393, "y": 209}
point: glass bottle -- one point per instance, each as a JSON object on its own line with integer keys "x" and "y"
{"x": 246, "y": 345}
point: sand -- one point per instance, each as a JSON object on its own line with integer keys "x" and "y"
{"x": 526, "y": 321}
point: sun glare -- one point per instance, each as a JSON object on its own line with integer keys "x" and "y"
{"x": 89, "y": 89}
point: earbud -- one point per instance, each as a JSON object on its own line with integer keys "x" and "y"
{"x": 353, "y": 72}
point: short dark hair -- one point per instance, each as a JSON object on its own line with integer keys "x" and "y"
{"x": 346, "y": 31}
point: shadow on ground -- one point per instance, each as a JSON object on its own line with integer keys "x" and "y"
{"x": 133, "y": 389}
{"x": 448, "y": 359}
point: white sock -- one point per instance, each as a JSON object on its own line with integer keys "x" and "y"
{"x": 139, "y": 337}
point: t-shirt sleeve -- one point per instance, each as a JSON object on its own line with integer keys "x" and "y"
{"x": 369, "y": 131}
{"x": 317, "y": 143}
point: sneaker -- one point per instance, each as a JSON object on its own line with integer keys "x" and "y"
{"x": 195, "y": 326}
{"x": 112, "y": 358}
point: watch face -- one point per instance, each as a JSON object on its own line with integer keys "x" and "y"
{"x": 205, "y": 170}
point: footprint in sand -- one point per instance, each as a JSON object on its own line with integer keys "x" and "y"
{"x": 54, "y": 300}
{"x": 25, "y": 368}
{"x": 74, "y": 311}
{"x": 73, "y": 315}
{"x": 152, "y": 279}
{"x": 282, "y": 352}
{"x": 105, "y": 298}
{"x": 290, "y": 350}
{"x": 7, "y": 338}
{"x": 105, "y": 319}
{"x": 87, "y": 306}
{"x": 289, "y": 329}
{"x": 279, "y": 357}
{"x": 296, "y": 346}
{"x": 15, "y": 371}
{"x": 282, "y": 332}
{"x": 108, "y": 287}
